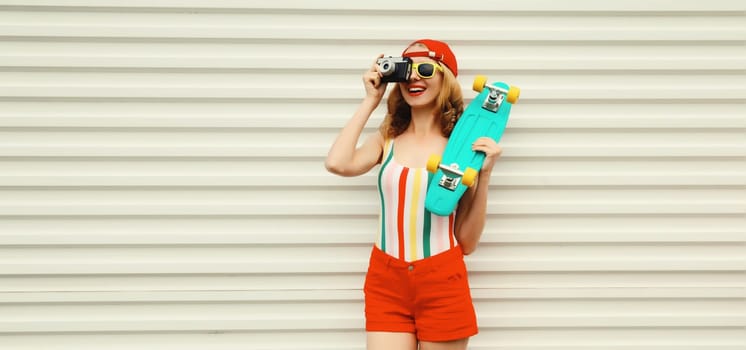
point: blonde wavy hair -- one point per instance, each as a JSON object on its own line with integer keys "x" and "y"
{"x": 450, "y": 102}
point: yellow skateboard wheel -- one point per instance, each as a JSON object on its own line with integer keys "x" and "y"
{"x": 470, "y": 174}
{"x": 479, "y": 82}
{"x": 513, "y": 94}
{"x": 433, "y": 163}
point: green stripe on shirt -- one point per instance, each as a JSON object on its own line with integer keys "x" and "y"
{"x": 383, "y": 205}
{"x": 427, "y": 224}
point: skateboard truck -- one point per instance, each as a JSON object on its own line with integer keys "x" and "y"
{"x": 495, "y": 98}
{"x": 447, "y": 182}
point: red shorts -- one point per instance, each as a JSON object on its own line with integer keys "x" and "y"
{"x": 429, "y": 297}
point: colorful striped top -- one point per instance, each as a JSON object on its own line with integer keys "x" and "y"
{"x": 407, "y": 230}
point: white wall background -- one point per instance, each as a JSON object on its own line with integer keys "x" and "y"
{"x": 162, "y": 182}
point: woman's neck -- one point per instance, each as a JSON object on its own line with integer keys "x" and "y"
{"x": 424, "y": 123}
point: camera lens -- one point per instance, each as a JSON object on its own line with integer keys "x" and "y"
{"x": 386, "y": 66}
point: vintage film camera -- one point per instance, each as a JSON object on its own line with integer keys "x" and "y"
{"x": 395, "y": 69}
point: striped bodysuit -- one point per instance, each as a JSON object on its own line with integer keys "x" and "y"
{"x": 407, "y": 230}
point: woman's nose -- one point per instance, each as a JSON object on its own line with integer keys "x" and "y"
{"x": 413, "y": 76}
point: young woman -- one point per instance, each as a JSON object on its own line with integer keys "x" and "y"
{"x": 416, "y": 288}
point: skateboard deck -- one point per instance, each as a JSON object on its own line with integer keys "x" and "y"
{"x": 458, "y": 167}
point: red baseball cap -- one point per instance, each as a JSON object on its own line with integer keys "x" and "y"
{"x": 438, "y": 51}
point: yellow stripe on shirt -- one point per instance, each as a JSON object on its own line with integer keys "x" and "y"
{"x": 415, "y": 209}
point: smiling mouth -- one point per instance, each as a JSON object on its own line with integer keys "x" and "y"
{"x": 416, "y": 91}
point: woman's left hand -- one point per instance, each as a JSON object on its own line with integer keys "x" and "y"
{"x": 491, "y": 150}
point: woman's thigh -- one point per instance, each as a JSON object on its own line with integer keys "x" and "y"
{"x": 391, "y": 341}
{"x": 447, "y": 345}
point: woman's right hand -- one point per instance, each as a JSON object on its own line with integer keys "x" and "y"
{"x": 372, "y": 80}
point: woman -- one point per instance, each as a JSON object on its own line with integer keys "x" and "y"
{"x": 416, "y": 288}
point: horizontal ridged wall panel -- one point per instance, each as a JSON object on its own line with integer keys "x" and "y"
{"x": 162, "y": 182}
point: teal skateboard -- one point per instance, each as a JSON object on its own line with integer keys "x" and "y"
{"x": 458, "y": 167}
